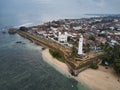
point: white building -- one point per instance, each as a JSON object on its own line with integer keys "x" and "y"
{"x": 80, "y": 47}
{"x": 54, "y": 29}
{"x": 77, "y": 28}
{"x": 62, "y": 37}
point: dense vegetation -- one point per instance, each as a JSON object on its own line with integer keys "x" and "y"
{"x": 23, "y": 28}
{"x": 87, "y": 48}
{"x": 92, "y": 38}
{"x": 57, "y": 54}
{"x": 94, "y": 66}
{"x": 117, "y": 65}
{"x": 112, "y": 55}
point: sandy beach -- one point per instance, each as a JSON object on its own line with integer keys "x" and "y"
{"x": 101, "y": 79}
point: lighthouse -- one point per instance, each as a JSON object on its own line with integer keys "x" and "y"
{"x": 80, "y": 46}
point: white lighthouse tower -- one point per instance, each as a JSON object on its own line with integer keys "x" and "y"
{"x": 80, "y": 47}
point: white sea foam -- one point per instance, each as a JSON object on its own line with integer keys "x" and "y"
{"x": 25, "y": 24}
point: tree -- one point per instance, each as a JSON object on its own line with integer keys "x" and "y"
{"x": 101, "y": 45}
{"x": 112, "y": 55}
{"x": 55, "y": 53}
{"x": 92, "y": 38}
{"x": 117, "y": 65}
{"x": 108, "y": 51}
{"x": 87, "y": 47}
{"x": 93, "y": 66}
{"x": 68, "y": 38}
{"x": 74, "y": 51}
{"x": 23, "y": 28}
{"x": 116, "y": 51}
{"x": 56, "y": 38}
{"x": 81, "y": 31}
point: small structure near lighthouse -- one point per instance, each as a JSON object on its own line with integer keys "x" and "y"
{"x": 80, "y": 46}
{"x": 62, "y": 37}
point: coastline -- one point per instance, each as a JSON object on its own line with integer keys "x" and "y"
{"x": 101, "y": 79}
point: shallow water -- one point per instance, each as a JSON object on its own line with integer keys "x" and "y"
{"x": 22, "y": 67}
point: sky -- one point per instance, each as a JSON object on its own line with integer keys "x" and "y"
{"x": 34, "y": 11}
{"x": 64, "y": 6}
{"x": 83, "y": 6}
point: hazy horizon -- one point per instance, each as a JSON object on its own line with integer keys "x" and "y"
{"x": 14, "y": 12}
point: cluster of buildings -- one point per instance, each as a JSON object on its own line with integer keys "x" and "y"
{"x": 85, "y": 34}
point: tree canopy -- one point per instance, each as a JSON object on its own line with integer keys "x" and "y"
{"x": 23, "y": 28}
{"x": 112, "y": 55}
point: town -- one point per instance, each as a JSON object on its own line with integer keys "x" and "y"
{"x": 82, "y": 37}
{"x": 94, "y": 30}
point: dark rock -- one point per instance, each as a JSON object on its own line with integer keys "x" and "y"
{"x": 12, "y": 31}
{"x": 43, "y": 48}
{"x": 19, "y": 42}
{"x": 3, "y": 32}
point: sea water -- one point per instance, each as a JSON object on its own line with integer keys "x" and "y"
{"x": 22, "y": 67}
{"x": 21, "y": 64}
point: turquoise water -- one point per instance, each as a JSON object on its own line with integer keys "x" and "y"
{"x": 22, "y": 68}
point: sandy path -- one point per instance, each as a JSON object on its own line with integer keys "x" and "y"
{"x": 101, "y": 79}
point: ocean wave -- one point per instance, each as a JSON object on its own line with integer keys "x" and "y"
{"x": 25, "y": 24}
